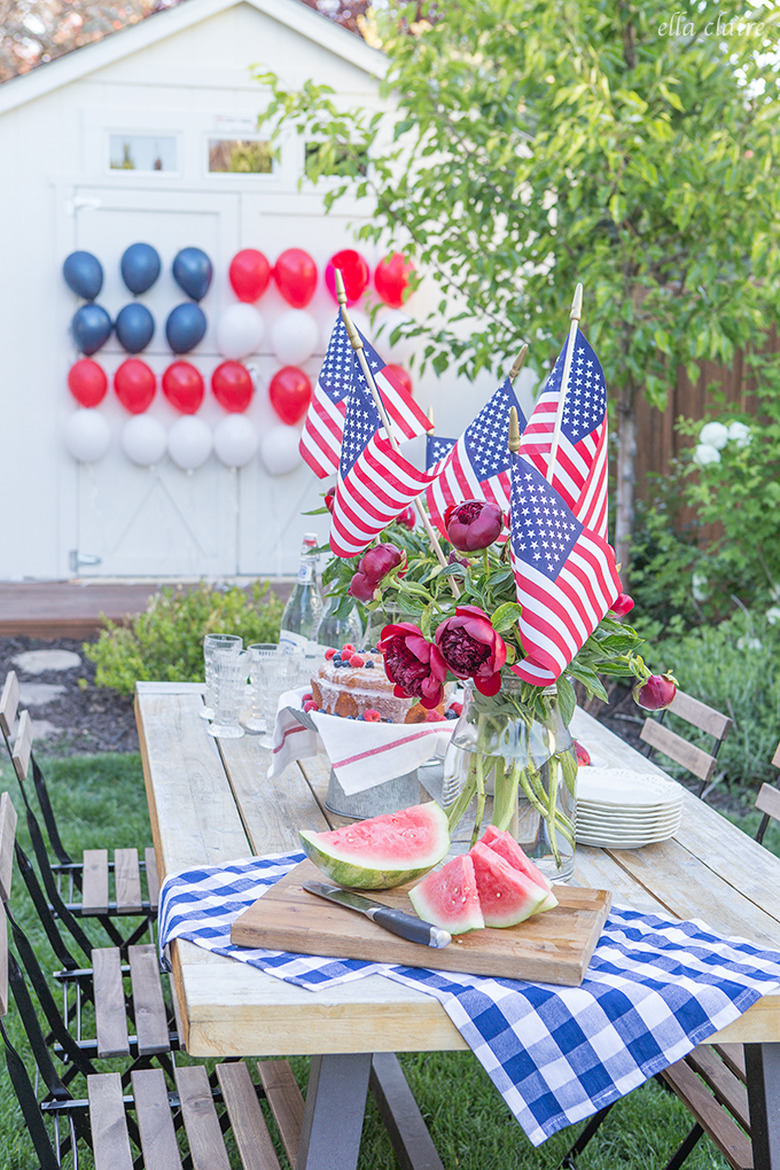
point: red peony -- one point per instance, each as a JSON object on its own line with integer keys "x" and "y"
{"x": 622, "y": 605}
{"x": 361, "y": 588}
{"x": 471, "y": 648}
{"x": 473, "y": 525}
{"x": 413, "y": 663}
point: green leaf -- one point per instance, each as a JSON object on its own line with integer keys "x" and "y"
{"x": 506, "y": 616}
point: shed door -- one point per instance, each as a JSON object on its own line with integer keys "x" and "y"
{"x": 120, "y": 518}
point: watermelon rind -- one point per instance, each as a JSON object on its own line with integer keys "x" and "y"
{"x": 448, "y": 897}
{"x": 506, "y": 896}
{"x": 381, "y": 852}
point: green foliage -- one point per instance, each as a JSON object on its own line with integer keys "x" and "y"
{"x": 166, "y": 641}
{"x": 733, "y": 667}
{"x": 740, "y": 492}
{"x": 528, "y": 146}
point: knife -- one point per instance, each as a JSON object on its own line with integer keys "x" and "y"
{"x": 406, "y": 925}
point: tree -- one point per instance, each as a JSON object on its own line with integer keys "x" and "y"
{"x": 531, "y": 145}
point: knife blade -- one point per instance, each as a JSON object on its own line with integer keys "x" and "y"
{"x": 405, "y": 925}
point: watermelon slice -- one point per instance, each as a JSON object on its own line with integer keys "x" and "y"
{"x": 505, "y": 845}
{"x": 449, "y": 898}
{"x": 506, "y": 896}
{"x": 381, "y": 852}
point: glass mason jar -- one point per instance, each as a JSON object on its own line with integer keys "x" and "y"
{"x": 521, "y": 768}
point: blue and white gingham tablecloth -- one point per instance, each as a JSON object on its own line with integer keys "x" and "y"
{"x": 655, "y": 988}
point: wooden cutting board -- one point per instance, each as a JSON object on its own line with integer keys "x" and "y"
{"x": 554, "y": 947}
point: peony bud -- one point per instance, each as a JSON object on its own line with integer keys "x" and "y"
{"x": 408, "y": 517}
{"x": 330, "y": 496}
{"x": 583, "y": 755}
{"x": 656, "y": 692}
{"x": 361, "y": 588}
{"x": 473, "y": 525}
{"x": 622, "y": 605}
{"x": 377, "y": 562}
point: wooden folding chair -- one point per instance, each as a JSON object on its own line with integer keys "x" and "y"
{"x": 84, "y": 887}
{"x": 131, "y": 1120}
{"x": 661, "y": 738}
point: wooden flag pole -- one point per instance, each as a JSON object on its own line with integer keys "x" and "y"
{"x": 513, "y": 443}
{"x": 357, "y": 345}
{"x": 574, "y": 318}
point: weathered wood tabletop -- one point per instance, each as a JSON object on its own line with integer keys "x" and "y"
{"x": 211, "y": 802}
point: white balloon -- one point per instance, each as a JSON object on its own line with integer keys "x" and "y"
{"x": 190, "y": 442}
{"x": 87, "y": 435}
{"x": 361, "y": 321}
{"x": 235, "y": 440}
{"x": 386, "y": 323}
{"x": 240, "y": 330}
{"x": 294, "y": 337}
{"x": 279, "y": 450}
{"x": 144, "y": 440}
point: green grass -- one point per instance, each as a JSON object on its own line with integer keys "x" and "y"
{"x": 102, "y": 797}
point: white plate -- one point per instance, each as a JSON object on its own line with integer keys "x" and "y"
{"x": 619, "y": 817}
{"x": 623, "y": 841}
{"x": 621, "y": 788}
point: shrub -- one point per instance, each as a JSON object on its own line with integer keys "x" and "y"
{"x": 733, "y": 667}
{"x": 166, "y": 641}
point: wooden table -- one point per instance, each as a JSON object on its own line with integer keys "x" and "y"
{"x": 210, "y": 802}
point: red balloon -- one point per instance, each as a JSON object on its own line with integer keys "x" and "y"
{"x": 249, "y": 274}
{"x": 183, "y": 386}
{"x": 290, "y": 394}
{"x": 354, "y": 271}
{"x": 87, "y": 382}
{"x": 295, "y": 274}
{"x": 391, "y": 279}
{"x": 399, "y": 374}
{"x": 232, "y": 386}
{"x": 135, "y": 385}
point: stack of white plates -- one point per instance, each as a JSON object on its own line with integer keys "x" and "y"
{"x": 626, "y": 809}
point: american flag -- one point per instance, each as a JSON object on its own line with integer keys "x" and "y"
{"x": 477, "y": 467}
{"x": 375, "y": 483}
{"x": 320, "y": 443}
{"x": 580, "y": 474}
{"x": 436, "y": 449}
{"x": 565, "y": 576}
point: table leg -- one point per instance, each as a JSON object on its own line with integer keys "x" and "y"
{"x": 762, "y": 1062}
{"x": 401, "y": 1114}
{"x": 333, "y": 1117}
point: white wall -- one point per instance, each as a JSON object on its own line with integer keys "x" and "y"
{"x": 58, "y": 194}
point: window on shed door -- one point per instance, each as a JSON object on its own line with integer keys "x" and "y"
{"x": 240, "y": 156}
{"x": 143, "y": 152}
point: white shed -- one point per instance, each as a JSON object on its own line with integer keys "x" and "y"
{"x": 119, "y": 143}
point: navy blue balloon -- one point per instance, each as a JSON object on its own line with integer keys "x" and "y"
{"x": 83, "y": 274}
{"x": 134, "y": 327}
{"x": 192, "y": 272}
{"x": 140, "y": 267}
{"x": 185, "y": 327}
{"x": 91, "y": 328}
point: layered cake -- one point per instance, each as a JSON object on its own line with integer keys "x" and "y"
{"x": 351, "y": 684}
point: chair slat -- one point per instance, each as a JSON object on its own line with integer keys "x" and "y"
{"x": 3, "y": 962}
{"x": 673, "y": 745}
{"x": 776, "y": 757}
{"x": 107, "y": 1119}
{"x": 768, "y": 801}
{"x": 730, "y": 1091}
{"x": 155, "y": 1122}
{"x": 286, "y": 1101}
{"x": 151, "y": 1024}
{"x": 200, "y": 1119}
{"x": 700, "y": 714}
{"x": 94, "y": 887}
{"x": 9, "y": 704}
{"x": 23, "y": 746}
{"x": 7, "y": 838}
{"x": 127, "y": 880}
{"x": 733, "y": 1056}
{"x": 735, "y": 1145}
{"x": 246, "y": 1117}
{"x": 110, "y": 1015}
{"x": 152, "y": 877}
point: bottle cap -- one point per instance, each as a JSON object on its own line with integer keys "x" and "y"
{"x": 310, "y": 539}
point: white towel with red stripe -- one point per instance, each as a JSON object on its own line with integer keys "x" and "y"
{"x": 361, "y": 754}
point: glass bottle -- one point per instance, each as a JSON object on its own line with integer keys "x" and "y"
{"x": 302, "y": 613}
{"x": 337, "y": 628}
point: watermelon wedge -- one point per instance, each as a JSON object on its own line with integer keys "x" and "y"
{"x": 381, "y": 852}
{"x": 448, "y": 897}
{"x": 505, "y": 845}
{"x": 506, "y": 896}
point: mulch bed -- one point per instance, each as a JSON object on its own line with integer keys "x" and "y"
{"x": 89, "y": 720}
